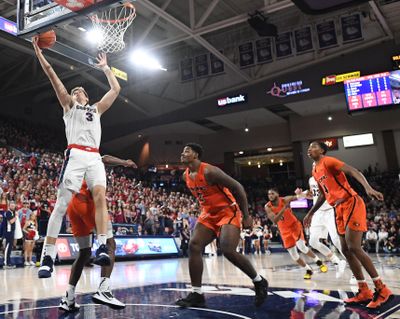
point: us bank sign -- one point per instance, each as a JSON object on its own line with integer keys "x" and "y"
{"x": 241, "y": 98}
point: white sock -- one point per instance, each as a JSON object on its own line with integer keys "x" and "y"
{"x": 102, "y": 239}
{"x": 315, "y": 259}
{"x": 49, "y": 250}
{"x": 308, "y": 267}
{"x": 71, "y": 292}
{"x": 104, "y": 284}
{"x": 334, "y": 259}
{"x": 257, "y": 278}
{"x": 197, "y": 289}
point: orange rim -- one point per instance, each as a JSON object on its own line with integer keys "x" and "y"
{"x": 126, "y": 4}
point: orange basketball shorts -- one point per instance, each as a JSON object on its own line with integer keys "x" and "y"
{"x": 291, "y": 235}
{"x": 81, "y": 213}
{"x": 352, "y": 214}
{"x": 230, "y": 215}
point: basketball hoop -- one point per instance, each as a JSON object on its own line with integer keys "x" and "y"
{"x": 112, "y": 24}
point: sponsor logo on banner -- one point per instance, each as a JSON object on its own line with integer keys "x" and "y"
{"x": 287, "y": 89}
{"x": 331, "y": 142}
{"x": 63, "y": 250}
{"x": 396, "y": 61}
{"x": 333, "y": 79}
{"x": 8, "y": 26}
{"x": 242, "y": 98}
{"x": 120, "y": 74}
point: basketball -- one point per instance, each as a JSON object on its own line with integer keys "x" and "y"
{"x": 47, "y": 39}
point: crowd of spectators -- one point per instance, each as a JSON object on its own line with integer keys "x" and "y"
{"x": 31, "y": 158}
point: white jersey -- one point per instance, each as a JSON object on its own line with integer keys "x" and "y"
{"x": 82, "y": 125}
{"x": 315, "y": 192}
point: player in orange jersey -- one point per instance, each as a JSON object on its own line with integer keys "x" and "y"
{"x": 81, "y": 212}
{"x": 351, "y": 220}
{"x": 221, "y": 216}
{"x": 279, "y": 212}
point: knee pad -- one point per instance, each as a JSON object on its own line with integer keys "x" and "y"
{"x": 294, "y": 253}
{"x": 314, "y": 242}
{"x": 301, "y": 245}
{"x": 64, "y": 196}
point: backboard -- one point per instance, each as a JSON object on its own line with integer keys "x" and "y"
{"x": 36, "y": 16}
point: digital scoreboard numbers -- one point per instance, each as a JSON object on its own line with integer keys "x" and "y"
{"x": 369, "y": 91}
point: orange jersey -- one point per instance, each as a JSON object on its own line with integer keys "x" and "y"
{"x": 212, "y": 198}
{"x": 332, "y": 180}
{"x": 288, "y": 217}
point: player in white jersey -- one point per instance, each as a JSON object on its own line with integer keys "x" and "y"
{"x": 322, "y": 224}
{"x": 82, "y": 158}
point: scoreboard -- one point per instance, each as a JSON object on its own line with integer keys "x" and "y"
{"x": 373, "y": 91}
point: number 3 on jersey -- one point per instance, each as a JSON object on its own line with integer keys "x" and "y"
{"x": 89, "y": 116}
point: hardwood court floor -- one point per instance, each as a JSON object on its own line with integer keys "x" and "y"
{"x": 150, "y": 287}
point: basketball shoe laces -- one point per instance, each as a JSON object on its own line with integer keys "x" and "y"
{"x": 376, "y": 295}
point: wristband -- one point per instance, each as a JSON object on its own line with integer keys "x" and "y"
{"x": 105, "y": 68}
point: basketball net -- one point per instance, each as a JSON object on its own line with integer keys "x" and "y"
{"x": 112, "y": 24}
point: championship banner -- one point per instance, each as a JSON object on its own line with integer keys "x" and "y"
{"x": 186, "y": 69}
{"x": 351, "y": 28}
{"x": 201, "y": 65}
{"x": 246, "y": 54}
{"x": 303, "y": 40}
{"x": 283, "y": 45}
{"x": 217, "y": 66}
{"x": 264, "y": 50}
{"x": 327, "y": 37}
{"x": 333, "y": 79}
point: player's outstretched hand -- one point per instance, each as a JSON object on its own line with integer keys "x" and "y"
{"x": 247, "y": 222}
{"x": 298, "y": 191}
{"x": 101, "y": 60}
{"x": 130, "y": 163}
{"x": 35, "y": 41}
{"x": 375, "y": 194}
{"x": 307, "y": 220}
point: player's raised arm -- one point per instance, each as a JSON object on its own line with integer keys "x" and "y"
{"x": 320, "y": 201}
{"x": 115, "y": 161}
{"x": 299, "y": 195}
{"x": 108, "y": 99}
{"x": 62, "y": 94}
{"x": 350, "y": 170}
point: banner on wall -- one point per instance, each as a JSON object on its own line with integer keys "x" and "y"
{"x": 228, "y": 100}
{"x": 246, "y": 54}
{"x": 186, "y": 69}
{"x": 288, "y": 89}
{"x": 264, "y": 50}
{"x": 217, "y": 66}
{"x": 303, "y": 40}
{"x": 337, "y": 78}
{"x": 351, "y": 28}
{"x": 331, "y": 142}
{"x": 68, "y": 249}
{"x": 8, "y": 26}
{"x": 326, "y": 32}
{"x": 201, "y": 65}
{"x": 283, "y": 45}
